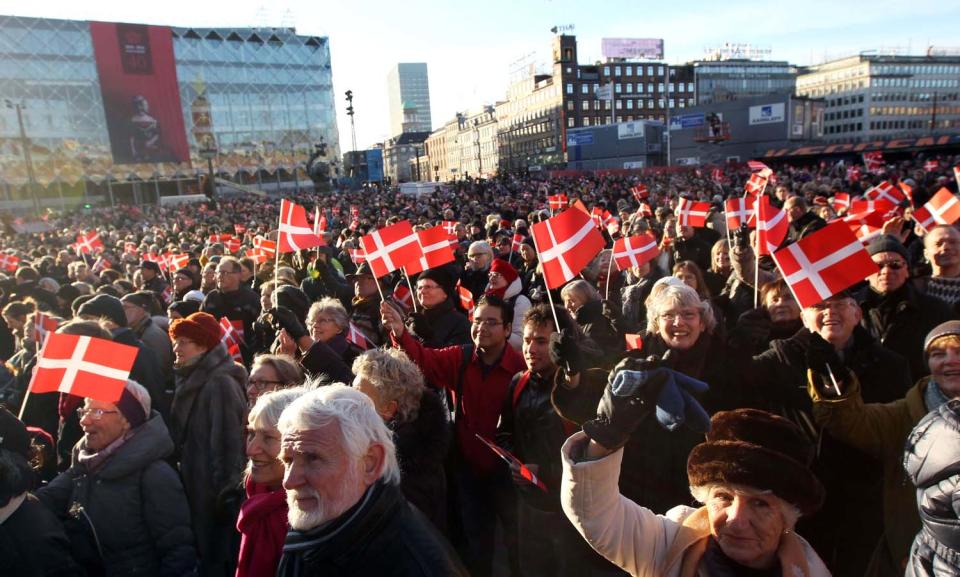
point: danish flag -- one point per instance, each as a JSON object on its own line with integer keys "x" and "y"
{"x": 451, "y": 227}
{"x": 956, "y": 174}
{"x": 319, "y": 221}
{"x": 179, "y": 261}
{"x": 841, "y": 201}
{"x": 215, "y": 238}
{"x": 634, "y": 251}
{"x": 232, "y": 245}
{"x": 265, "y": 247}
{"x": 557, "y": 202}
{"x": 230, "y": 339}
{"x": 599, "y": 215}
{"x": 864, "y": 206}
{"x": 390, "y": 248}
{"x": 942, "y": 208}
{"x": 772, "y": 226}
{"x": 645, "y": 210}
{"x": 9, "y": 262}
{"x": 692, "y": 213}
{"x": 83, "y": 366}
{"x": 240, "y": 228}
{"x": 89, "y": 242}
{"x": 294, "y": 231}
{"x": 403, "y": 297}
{"x": 466, "y": 299}
{"x": 435, "y": 246}
{"x": 853, "y": 173}
{"x": 873, "y": 161}
{"x": 885, "y": 191}
{"x": 357, "y": 255}
{"x": 640, "y": 192}
{"x": 514, "y": 462}
{"x": 822, "y": 264}
{"x": 866, "y": 226}
{"x": 566, "y": 243}
{"x": 760, "y": 168}
{"x": 517, "y": 242}
{"x": 716, "y": 174}
{"x": 42, "y": 325}
{"x": 931, "y": 165}
{"x": 130, "y": 248}
{"x": 99, "y": 265}
{"x": 738, "y": 211}
{"x": 634, "y": 342}
{"x": 354, "y": 225}
{"x": 356, "y": 336}
{"x": 756, "y": 184}
{"x": 257, "y": 256}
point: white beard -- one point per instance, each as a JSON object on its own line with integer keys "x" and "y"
{"x": 304, "y": 520}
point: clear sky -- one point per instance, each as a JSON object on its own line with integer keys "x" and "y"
{"x": 470, "y": 46}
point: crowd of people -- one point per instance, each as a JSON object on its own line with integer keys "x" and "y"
{"x": 293, "y": 414}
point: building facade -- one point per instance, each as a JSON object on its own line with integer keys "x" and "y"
{"x": 400, "y": 155}
{"x": 874, "y": 96}
{"x": 408, "y": 91}
{"x": 735, "y": 79}
{"x": 259, "y": 99}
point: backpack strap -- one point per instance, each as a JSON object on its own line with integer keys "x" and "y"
{"x": 458, "y": 387}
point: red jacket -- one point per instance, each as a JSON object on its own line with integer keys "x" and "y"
{"x": 483, "y": 394}
{"x": 263, "y": 527}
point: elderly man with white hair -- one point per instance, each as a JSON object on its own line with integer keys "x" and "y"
{"x": 347, "y": 514}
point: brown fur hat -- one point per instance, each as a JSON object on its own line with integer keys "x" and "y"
{"x": 760, "y": 450}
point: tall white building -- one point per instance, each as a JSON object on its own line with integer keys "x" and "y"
{"x": 409, "y": 93}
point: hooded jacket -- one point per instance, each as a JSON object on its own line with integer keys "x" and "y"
{"x": 135, "y": 503}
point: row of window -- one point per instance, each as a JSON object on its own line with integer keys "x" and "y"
{"x": 628, "y": 70}
{"x": 628, "y": 88}
{"x": 917, "y": 69}
{"x": 912, "y": 110}
{"x": 628, "y": 104}
{"x": 913, "y": 96}
{"x": 916, "y": 82}
{"x": 842, "y": 128}
{"x": 589, "y": 121}
{"x": 844, "y": 114}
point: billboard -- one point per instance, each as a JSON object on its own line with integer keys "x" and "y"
{"x": 141, "y": 99}
{"x": 767, "y": 113}
{"x": 650, "y": 48}
{"x": 632, "y": 129}
{"x": 683, "y": 121}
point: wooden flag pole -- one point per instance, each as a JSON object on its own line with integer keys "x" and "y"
{"x": 536, "y": 247}
{"x": 756, "y": 267}
{"x": 413, "y": 293}
{"x": 609, "y": 273}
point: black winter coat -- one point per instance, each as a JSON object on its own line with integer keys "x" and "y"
{"x": 240, "y": 305}
{"x": 932, "y": 454}
{"x": 380, "y": 536}
{"x": 422, "y": 446}
{"x": 440, "y": 326}
{"x": 900, "y": 322}
{"x": 135, "y": 502}
{"x": 599, "y": 329}
{"x": 33, "y": 544}
{"x": 333, "y": 360}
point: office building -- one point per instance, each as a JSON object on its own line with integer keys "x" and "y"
{"x": 408, "y": 91}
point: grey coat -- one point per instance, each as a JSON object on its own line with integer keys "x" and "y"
{"x": 208, "y": 417}
{"x": 135, "y": 503}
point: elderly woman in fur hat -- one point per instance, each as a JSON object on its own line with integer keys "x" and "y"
{"x": 751, "y": 475}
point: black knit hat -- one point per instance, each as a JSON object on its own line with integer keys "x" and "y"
{"x": 441, "y": 277}
{"x": 13, "y": 434}
{"x": 104, "y": 306}
{"x": 887, "y": 243}
{"x": 761, "y": 450}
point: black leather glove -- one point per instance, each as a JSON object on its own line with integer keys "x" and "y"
{"x": 418, "y": 324}
{"x": 629, "y": 398}
{"x": 753, "y": 327}
{"x": 283, "y": 318}
{"x": 565, "y": 351}
{"x": 822, "y": 356}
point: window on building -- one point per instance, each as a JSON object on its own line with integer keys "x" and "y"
{"x": 616, "y": 71}
{"x": 629, "y": 104}
{"x": 659, "y": 70}
{"x": 629, "y": 70}
{"x": 619, "y": 104}
{"x": 569, "y": 88}
{"x": 571, "y": 105}
{"x": 584, "y": 88}
{"x": 650, "y": 105}
{"x": 585, "y": 105}
{"x": 586, "y": 121}
{"x": 570, "y": 122}
{"x": 649, "y": 70}
{"x": 628, "y": 87}
{"x": 650, "y": 87}
{"x": 671, "y": 103}
{"x": 672, "y": 88}
{"x": 606, "y": 71}
{"x": 618, "y": 88}
{"x": 640, "y": 87}
{"x": 660, "y": 87}
{"x": 689, "y": 86}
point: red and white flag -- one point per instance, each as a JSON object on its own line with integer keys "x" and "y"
{"x": 435, "y": 246}
{"x": 822, "y": 264}
{"x": 357, "y": 255}
{"x": 755, "y": 185}
{"x": 866, "y": 226}
{"x": 215, "y": 238}
{"x": 356, "y": 336}
{"x": 240, "y": 228}
{"x": 319, "y": 221}
{"x": 873, "y": 161}
{"x": 865, "y": 206}
{"x": 100, "y": 265}
{"x": 599, "y": 215}
{"x": 232, "y": 245}
{"x": 942, "y": 208}
{"x": 257, "y": 256}
{"x": 853, "y": 173}
{"x": 517, "y": 242}
{"x": 931, "y": 165}
{"x": 43, "y": 324}
{"x": 230, "y": 339}
{"x": 354, "y": 225}
{"x": 451, "y": 227}
{"x": 841, "y": 201}
{"x": 557, "y": 202}
{"x": 640, "y": 192}
{"x": 514, "y": 463}
{"x": 265, "y": 247}
{"x": 716, "y": 174}
{"x": 691, "y": 213}
{"x": 390, "y": 248}
{"x": 130, "y": 248}
{"x": 403, "y": 297}
{"x": 772, "y": 226}
{"x": 633, "y": 251}
{"x": 295, "y": 233}
{"x": 566, "y": 243}
{"x": 466, "y": 300}
{"x": 83, "y": 366}
{"x": 645, "y": 210}
{"x": 179, "y": 261}
{"x": 956, "y": 174}
{"x": 738, "y": 211}
{"x": 89, "y": 242}
{"x": 634, "y": 342}
{"x": 9, "y": 262}
{"x": 885, "y": 191}
{"x": 760, "y": 168}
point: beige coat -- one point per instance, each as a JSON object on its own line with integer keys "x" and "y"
{"x": 640, "y": 542}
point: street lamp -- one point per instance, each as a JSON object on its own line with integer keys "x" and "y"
{"x": 353, "y": 128}
{"x": 476, "y": 132}
{"x": 27, "y": 157}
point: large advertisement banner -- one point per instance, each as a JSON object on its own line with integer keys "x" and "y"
{"x": 651, "y": 48}
{"x": 141, "y": 100}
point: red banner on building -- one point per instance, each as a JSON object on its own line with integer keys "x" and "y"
{"x": 141, "y": 98}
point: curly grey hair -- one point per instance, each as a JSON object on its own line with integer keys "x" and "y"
{"x": 677, "y": 295}
{"x": 395, "y": 377}
{"x": 332, "y": 308}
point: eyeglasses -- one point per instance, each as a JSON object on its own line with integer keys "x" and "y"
{"x": 685, "y": 316}
{"x": 263, "y": 384}
{"x": 837, "y": 305}
{"x": 320, "y": 321}
{"x": 95, "y": 414}
{"x": 892, "y": 265}
{"x": 489, "y": 323}
{"x": 223, "y": 272}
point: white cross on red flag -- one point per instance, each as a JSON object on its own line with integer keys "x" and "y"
{"x": 942, "y": 208}
{"x": 755, "y": 185}
{"x": 356, "y": 336}
{"x": 866, "y": 226}
{"x": 179, "y": 261}
{"x": 435, "y": 244}
{"x": 841, "y": 201}
{"x": 885, "y": 191}
{"x": 357, "y": 255}
{"x": 319, "y": 221}
{"x": 257, "y": 256}
{"x": 640, "y": 192}
{"x": 772, "y": 226}
{"x": 390, "y": 248}
{"x": 43, "y": 324}
{"x": 403, "y": 297}
{"x": 230, "y": 339}
{"x": 633, "y": 251}
{"x": 760, "y": 168}
{"x": 295, "y": 233}
{"x": 822, "y": 264}
{"x": 566, "y": 243}
{"x": 9, "y": 262}
{"x": 738, "y": 212}
{"x": 89, "y": 242}
{"x": 645, "y": 210}
{"x": 931, "y": 165}
{"x": 557, "y": 202}
{"x": 865, "y": 206}
{"x": 466, "y": 300}
{"x": 873, "y": 161}
{"x": 692, "y": 213}
{"x": 83, "y": 366}
{"x": 517, "y": 242}
{"x": 265, "y": 247}
{"x": 451, "y": 227}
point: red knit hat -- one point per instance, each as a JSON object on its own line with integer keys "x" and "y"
{"x": 505, "y": 269}
{"x": 201, "y": 328}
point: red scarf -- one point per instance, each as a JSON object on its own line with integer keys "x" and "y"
{"x": 263, "y": 527}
